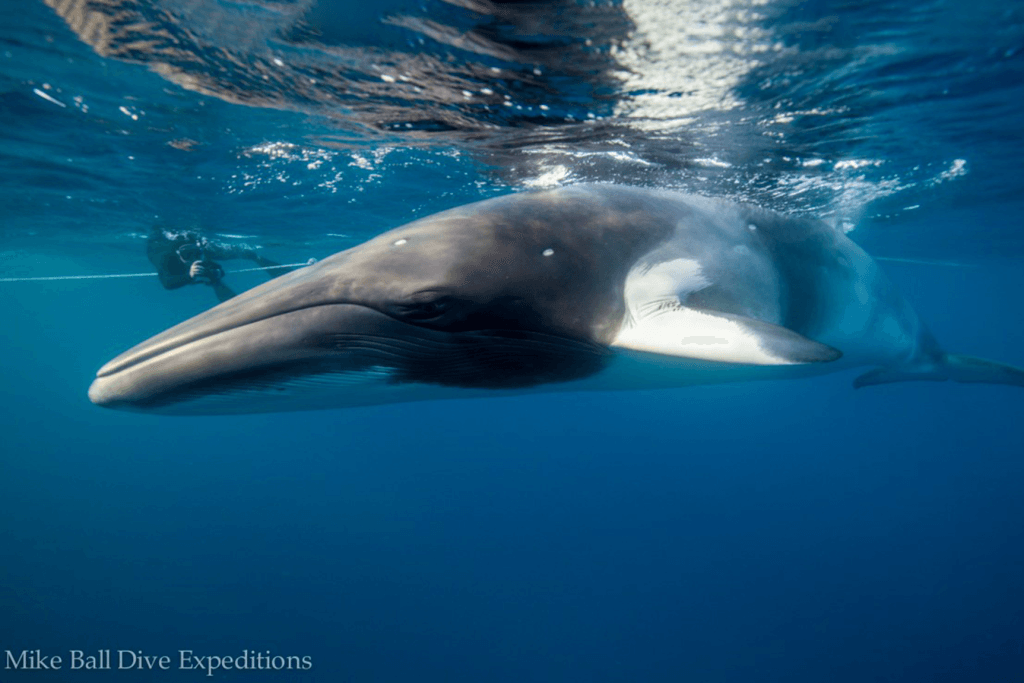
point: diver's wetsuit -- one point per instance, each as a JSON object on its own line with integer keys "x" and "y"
{"x": 174, "y": 253}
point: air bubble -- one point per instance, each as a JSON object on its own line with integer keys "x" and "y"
{"x": 548, "y": 252}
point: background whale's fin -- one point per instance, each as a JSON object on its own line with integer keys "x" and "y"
{"x": 948, "y": 366}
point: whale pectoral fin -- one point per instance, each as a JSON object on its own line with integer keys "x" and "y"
{"x": 968, "y": 369}
{"x": 949, "y": 366}
{"x": 676, "y": 330}
{"x": 897, "y": 374}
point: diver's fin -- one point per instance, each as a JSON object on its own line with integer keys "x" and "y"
{"x": 671, "y": 329}
{"x": 949, "y": 366}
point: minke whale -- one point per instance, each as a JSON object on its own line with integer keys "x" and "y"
{"x": 590, "y": 287}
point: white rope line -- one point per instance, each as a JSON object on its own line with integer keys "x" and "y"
{"x": 113, "y": 276}
{"x": 122, "y": 275}
{"x": 284, "y": 265}
{"x": 73, "y": 277}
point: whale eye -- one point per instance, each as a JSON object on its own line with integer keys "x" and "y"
{"x": 424, "y": 311}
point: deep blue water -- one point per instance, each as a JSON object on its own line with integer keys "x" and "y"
{"x": 799, "y": 531}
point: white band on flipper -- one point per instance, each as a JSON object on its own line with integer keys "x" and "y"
{"x": 656, "y": 322}
{"x": 674, "y": 330}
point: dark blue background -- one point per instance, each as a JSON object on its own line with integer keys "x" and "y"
{"x": 793, "y": 531}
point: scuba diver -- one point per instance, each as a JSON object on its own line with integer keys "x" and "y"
{"x": 187, "y": 258}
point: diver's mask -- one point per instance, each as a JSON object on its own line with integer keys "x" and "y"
{"x": 190, "y": 253}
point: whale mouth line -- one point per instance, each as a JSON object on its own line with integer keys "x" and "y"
{"x": 203, "y": 353}
{"x": 129, "y": 360}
